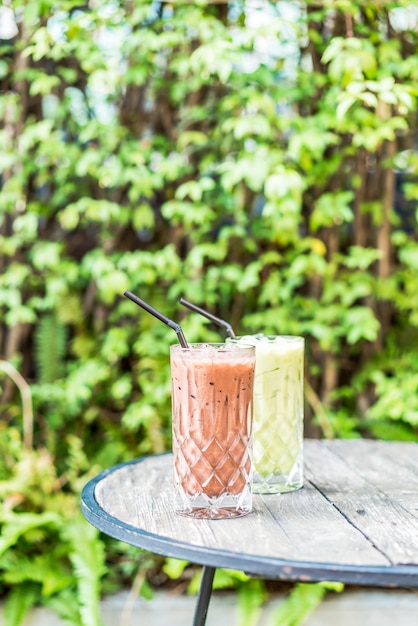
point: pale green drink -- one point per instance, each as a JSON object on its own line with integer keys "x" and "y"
{"x": 278, "y": 412}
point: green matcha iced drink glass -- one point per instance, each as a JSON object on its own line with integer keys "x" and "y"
{"x": 278, "y": 412}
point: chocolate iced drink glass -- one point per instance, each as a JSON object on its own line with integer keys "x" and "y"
{"x": 212, "y": 403}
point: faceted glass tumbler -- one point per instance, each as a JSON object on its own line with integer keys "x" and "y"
{"x": 278, "y": 412}
{"x": 212, "y": 415}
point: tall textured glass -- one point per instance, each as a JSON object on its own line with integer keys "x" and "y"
{"x": 212, "y": 402}
{"x": 278, "y": 412}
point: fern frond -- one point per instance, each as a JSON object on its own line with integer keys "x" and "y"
{"x": 50, "y": 346}
{"x": 303, "y": 599}
{"x": 251, "y": 597}
{"x": 66, "y": 607}
{"x": 18, "y": 603}
{"x": 15, "y": 525}
{"x": 46, "y": 569}
{"x": 87, "y": 557}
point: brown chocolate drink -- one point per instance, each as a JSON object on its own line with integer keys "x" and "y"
{"x": 212, "y": 398}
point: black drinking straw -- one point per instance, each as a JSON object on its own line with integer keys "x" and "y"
{"x": 159, "y": 316}
{"x": 210, "y": 316}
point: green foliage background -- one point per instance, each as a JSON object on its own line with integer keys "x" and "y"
{"x": 259, "y": 159}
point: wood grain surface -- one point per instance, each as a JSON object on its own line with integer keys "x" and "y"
{"x": 355, "y": 520}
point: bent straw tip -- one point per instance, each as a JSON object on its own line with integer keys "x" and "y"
{"x": 210, "y": 316}
{"x": 160, "y": 316}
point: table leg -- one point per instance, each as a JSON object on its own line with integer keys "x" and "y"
{"x": 203, "y": 599}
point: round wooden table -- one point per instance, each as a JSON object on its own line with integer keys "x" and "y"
{"x": 355, "y": 521}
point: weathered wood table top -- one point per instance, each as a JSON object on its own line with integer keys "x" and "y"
{"x": 355, "y": 520}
